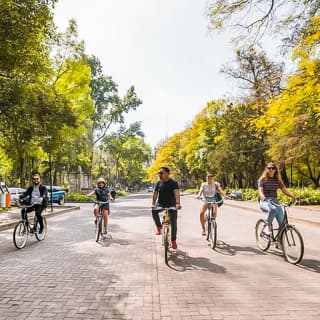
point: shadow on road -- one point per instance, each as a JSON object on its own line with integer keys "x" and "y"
{"x": 310, "y": 265}
{"x": 181, "y": 261}
{"x": 230, "y": 250}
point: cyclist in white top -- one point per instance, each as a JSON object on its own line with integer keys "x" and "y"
{"x": 207, "y": 191}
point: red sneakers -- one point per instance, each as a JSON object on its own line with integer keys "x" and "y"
{"x": 158, "y": 231}
{"x": 174, "y": 244}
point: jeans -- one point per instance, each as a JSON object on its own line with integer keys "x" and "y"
{"x": 38, "y": 210}
{"x": 173, "y": 221}
{"x": 272, "y": 211}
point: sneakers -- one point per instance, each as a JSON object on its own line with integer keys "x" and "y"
{"x": 158, "y": 231}
{"x": 40, "y": 230}
{"x": 174, "y": 244}
{"x": 203, "y": 232}
{"x": 105, "y": 232}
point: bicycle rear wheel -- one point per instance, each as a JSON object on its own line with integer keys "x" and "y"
{"x": 40, "y": 236}
{"x": 262, "y": 239}
{"x": 98, "y": 229}
{"x": 166, "y": 242}
{"x": 20, "y": 235}
{"x": 213, "y": 234}
{"x": 292, "y": 245}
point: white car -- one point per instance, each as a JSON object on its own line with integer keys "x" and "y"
{"x": 14, "y": 193}
{"x": 149, "y": 189}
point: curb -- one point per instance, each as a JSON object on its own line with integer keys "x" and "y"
{"x": 292, "y": 218}
{"x": 48, "y": 214}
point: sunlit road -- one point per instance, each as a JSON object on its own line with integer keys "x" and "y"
{"x": 70, "y": 276}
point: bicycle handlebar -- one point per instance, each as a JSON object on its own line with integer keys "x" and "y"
{"x": 284, "y": 204}
{"x": 211, "y": 202}
{"x": 164, "y": 208}
{"x": 98, "y": 202}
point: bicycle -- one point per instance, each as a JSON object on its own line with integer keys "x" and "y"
{"x": 211, "y": 223}
{"x": 290, "y": 239}
{"x": 24, "y": 228}
{"x": 166, "y": 230}
{"x": 99, "y": 219}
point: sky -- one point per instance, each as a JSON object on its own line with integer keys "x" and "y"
{"x": 163, "y": 48}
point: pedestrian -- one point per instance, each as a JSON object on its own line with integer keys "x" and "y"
{"x": 166, "y": 194}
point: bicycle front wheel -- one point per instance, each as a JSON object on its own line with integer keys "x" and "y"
{"x": 41, "y": 236}
{"x": 20, "y": 235}
{"x": 213, "y": 234}
{"x": 292, "y": 245}
{"x": 98, "y": 230}
{"x": 166, "y": 242}
{"x": 262, "y": 239}
{"x": 208, "y": 227}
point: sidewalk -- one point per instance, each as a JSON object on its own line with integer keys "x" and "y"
{"x": 306, "y": 214}
{"x": 10, "y": 217}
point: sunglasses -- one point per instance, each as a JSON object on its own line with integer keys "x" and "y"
{"x": 210, "y": 176}
{"x": 271, "y": 168}
{"x": 35, "y": 179}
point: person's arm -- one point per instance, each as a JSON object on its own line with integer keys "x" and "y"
{"x": 154, "y": 197}
{"x": 200, "y": 192}
{"x": 261, "y": 194}
{"x": 287, "y": 192}
{"x": 177, "y": 196}
{"x": 90, "y": 194}
{"x": 109, "y": 196}
{"x": 220, "y": 190}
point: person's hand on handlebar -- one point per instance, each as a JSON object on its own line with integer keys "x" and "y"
{"x": 178, "y": 206}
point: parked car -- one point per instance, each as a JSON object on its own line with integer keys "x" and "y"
{"x": 58, "y": 195}
{"x": 149, "y": 189}
{"x": 15, "y": 191}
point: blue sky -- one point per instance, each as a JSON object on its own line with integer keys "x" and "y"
{"x": 163, "y": 48}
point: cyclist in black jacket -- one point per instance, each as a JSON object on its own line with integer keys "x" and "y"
{"x": 37, "y": 194}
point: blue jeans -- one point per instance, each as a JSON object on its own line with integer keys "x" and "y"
{"x": 272, "y": 211}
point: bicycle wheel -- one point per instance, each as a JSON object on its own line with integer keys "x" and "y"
{"x": 292, "y": 245}
{"x": 20, "y": 235}
{"x": 166, "y": 241}
{"x": 40, "y": 236}
{"x": 213, "y": 234}
{"x": 98, "y": 230}
{"x": 208, "y": 226}
{"x": 262, "y": 239}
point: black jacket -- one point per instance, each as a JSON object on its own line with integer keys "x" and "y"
{"x": 43, "y": 193}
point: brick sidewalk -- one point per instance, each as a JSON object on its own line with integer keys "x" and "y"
{"x": 9, "y": 218}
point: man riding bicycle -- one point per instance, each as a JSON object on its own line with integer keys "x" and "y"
{"x": 102, "y": 194}
{"x": 166, "y": 194}
{"x": 37, "y": 194}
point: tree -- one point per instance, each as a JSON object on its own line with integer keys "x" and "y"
{"x": 126, "y": 150}
{"x": 109, "y": 107}
{"x": 254, "y": 17}
{"x": 293, "y": 118}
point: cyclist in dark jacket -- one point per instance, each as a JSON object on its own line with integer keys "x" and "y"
{"x": 37, "y": 194}
{"x": 102, "y": 194}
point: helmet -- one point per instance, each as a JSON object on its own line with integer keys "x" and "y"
{"x": 101, "y": 180}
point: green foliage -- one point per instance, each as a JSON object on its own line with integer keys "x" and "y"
{"x": 308, "y": 196}
{"x": 74, "y": 196}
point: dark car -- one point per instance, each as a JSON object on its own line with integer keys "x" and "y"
{"x": 58, "y": 195}
{"x": 15, "y": 191}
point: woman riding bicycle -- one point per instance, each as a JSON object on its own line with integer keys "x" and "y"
{"x": 268, "y": 184}
{"x": 208, "y": 190}
{"x": 102, "y": 194}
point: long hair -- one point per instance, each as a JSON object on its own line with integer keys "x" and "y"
{"x": 265, "y": 174}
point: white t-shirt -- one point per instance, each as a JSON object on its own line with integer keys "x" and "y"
{"x": 209, "y": 190}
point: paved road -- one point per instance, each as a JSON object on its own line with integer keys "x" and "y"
{"x": 70, "y": 276}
